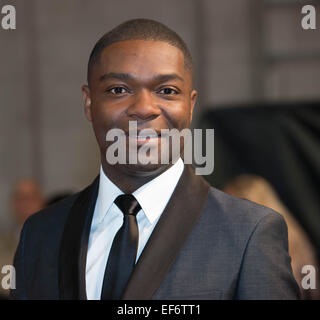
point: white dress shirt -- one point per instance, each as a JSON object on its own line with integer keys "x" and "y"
{"x": 107, "y": 220}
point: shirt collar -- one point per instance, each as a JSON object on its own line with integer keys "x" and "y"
{"x": 152, "y": 197}
{"x": 108, "y": 192}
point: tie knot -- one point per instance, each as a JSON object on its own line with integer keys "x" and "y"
{"x": 128, "y": 204}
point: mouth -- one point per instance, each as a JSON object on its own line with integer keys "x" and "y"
{"x": 142, "y": 139}
{"x": 145, "y": 134}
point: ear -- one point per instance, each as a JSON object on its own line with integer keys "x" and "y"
{"x": 193, "y": 97}
{"x": 86, "y": 101}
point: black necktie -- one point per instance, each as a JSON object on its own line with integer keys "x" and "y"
{"x": 123, "y": 251}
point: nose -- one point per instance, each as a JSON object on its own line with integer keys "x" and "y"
{"x": 143, "y": 107}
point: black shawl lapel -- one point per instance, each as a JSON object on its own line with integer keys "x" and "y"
{"x": 74, "y": 245}
{"x": 169, "y": 235}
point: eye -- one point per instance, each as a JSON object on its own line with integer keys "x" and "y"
{"x": 117, "y": 90}
{"x": 168, "y": 91}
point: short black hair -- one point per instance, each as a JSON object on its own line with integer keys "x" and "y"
{"x": 140, "y": 29}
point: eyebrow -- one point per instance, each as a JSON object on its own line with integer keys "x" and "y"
{"x": 129, "y": 76}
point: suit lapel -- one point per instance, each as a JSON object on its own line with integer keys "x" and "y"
{"x": 74, "y": 245}
{"x": 174, "y": 226}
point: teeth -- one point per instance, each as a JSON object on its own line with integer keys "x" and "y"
{"x": 143, "y": 136}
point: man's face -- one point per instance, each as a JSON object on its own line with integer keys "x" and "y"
{"x": 143, "y": 81}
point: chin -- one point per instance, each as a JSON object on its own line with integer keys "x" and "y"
{"x": 144, "y": 170}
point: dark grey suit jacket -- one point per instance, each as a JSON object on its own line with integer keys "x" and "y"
{"x": 206, "y": 245}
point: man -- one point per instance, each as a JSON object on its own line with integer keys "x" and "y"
{"x": 171, "y": 236}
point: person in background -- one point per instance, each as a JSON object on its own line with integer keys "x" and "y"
{"x": 26, "y": 198}
{"x": 301, "y": 250}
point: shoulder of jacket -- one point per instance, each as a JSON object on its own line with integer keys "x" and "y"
{"x": 238, "y": 211}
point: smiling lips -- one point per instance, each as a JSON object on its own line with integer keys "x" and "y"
{"x": 141, "y": 139}
{"x": 145, "y": 135}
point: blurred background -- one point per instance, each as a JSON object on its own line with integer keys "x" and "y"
{"x": 258, "y": 76}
